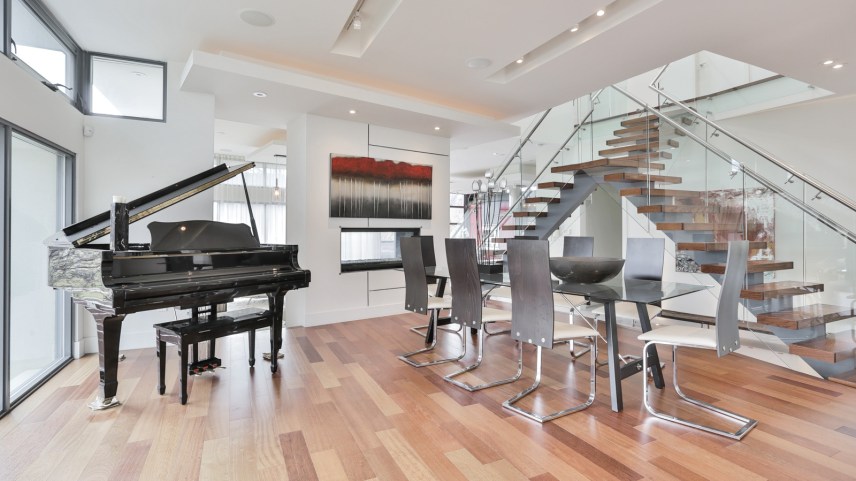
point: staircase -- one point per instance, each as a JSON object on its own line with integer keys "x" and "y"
{"x": 634, "y": 163}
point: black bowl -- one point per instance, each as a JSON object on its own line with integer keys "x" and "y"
{"x": 585, "y": 270}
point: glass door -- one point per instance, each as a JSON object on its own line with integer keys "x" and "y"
{"x": 39, "y": 326}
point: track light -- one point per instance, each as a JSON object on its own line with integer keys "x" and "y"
{"x": 357, "y": 23}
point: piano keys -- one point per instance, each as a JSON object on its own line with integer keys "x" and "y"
{"x": 189, "y": 265}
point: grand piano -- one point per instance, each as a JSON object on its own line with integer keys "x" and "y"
{"x": 192, "y": 265}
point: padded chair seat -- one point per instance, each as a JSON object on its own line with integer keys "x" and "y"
{"x": 627, "y": 309}
{"x": 682, "y": 335}
{"x": 444, "y": 302}
{"x": 563, "y": 331}
{"x": 490, "y": 314}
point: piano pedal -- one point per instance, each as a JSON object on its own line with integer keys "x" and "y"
{"x": 205, "y": 365}
{"x": 266, "y": 355}
{"x": 121, "y": 357}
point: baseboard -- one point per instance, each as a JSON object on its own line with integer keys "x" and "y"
{"x": 344, "y": 315}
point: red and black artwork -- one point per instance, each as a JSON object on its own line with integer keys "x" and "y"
{"x": 376, "y": 188}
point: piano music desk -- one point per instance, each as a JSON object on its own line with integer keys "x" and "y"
{"x": 188, "y": 332}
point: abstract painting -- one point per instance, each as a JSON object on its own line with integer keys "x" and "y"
{"x": 377, "y": 188}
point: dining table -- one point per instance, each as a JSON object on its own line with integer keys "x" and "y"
{"x": 640, "y": 292}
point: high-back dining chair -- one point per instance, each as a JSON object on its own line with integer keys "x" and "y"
{"x": 575, "y": 246}
{"x": 429, "y": 259}
{"x": 532, "y": 319}
{"x": 724, "y": 339}
{"x": 468, "y": 309}
{"x": 416, "y": 298}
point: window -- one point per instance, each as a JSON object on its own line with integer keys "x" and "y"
{"x": 40, "y": 45}
{"x": 124, "y": 87}
{"x": 457, "y": 204}
{"x": 266, "y": 186}
{"x": 35, "y": 319}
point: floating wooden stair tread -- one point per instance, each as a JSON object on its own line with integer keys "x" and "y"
{"x": 697, "y": 226}
{"x": 643, "y": 191}
{"x": 556, "y": 185}
{"x": 751, "y": 267}
{"x": 518, "y": 227}
{"x": 634, "y": 138}
{"x": 772, "y": 290}
{"x": 806, "y": 316}
{"x": 636, "y": 129}
{"x": 846, "y": 378}
{"x": 640, "y": 177}
{"x": 541, "y": 200}
{"x": 503, "y": 240}
{"x": 830, "y": 348}
{"x": 646, "y": 147}
{"x": 632, "y": 162}
{"x": 672, "y": 209}
{"x": 524, "y": 213}
{"x": 715, "y": 246}
{"x": 640, "y": 120}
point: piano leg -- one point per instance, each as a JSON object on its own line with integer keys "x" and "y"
{"x": 109, "y": 330}
{"x": 277, "y": 301}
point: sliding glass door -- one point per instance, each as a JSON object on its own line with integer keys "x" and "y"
{"x": 38, "y": 319}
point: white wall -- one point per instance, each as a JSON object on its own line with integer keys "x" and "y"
{"x": 133, "y": 158}
{"x": 331, "y": 296}
{"x": 32, "y": 106}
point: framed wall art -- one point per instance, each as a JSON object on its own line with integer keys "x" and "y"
{"x": 378, "y": 188}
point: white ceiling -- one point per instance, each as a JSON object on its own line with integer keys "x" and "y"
{"x": 413, "y": 74}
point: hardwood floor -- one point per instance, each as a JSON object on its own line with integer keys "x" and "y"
{"x": 343, "y": 407}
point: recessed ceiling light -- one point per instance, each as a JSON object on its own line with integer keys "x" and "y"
{"x": 838, "y": 65}
{"x": 520, "y": 60}
{"x": 601, "y": 13}
{"x": 828, "y": 62}
{"x": 260, "y": 94}
{"x": 436, "y": 127}
{"x": 478, "y": 62}
{"x": 575, "y": 28}
{"x": 352, "y": 112}
{"x": 257, "y": 18}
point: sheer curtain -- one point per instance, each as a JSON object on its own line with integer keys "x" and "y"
{"x": 264, "y": 182}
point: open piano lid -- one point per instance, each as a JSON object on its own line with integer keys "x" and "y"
{"x": 84, "y": 232}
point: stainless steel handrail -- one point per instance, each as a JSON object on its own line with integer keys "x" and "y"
{"x": 840, "y": 198}
{"x": 521, "y": 144}
{"x": 751, "y": 173}
{"x": 546, "y": 166}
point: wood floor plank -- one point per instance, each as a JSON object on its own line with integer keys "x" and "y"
{"x": 404, "y": 456}
{"x": 298, "y": 461}
{"x": 328, "y": 466}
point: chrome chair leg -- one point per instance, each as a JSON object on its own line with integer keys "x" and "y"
{"x": 747, "y": 423}
{"x": 509, "y": 404}
{"x": 501, "y": 331}
{"x": 471, "y": 388}
{"x": 420, "y": 330}
{"x": 406, "y": 357}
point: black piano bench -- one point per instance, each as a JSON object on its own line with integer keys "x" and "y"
{"x": 186, "y": 333}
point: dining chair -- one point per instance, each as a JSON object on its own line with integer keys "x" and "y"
{"x": 724, "y": 339}
{"x": 532, "y": 318}
{"x": 468, "y": 308}
{"x": 416, "y": 299}
{"x": 575, "y": 246}
{"x": 644, "y": 260}
{"x": 429, "y": 259}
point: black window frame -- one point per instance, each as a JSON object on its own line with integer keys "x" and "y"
{"x": 50, "y": 22}
{"x": 86, "y": 77}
